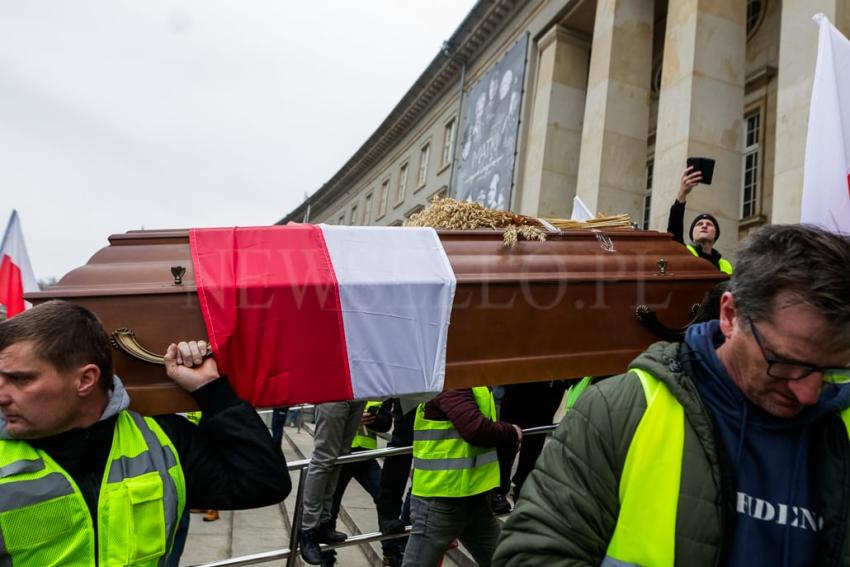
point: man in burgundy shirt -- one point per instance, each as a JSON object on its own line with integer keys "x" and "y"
{"x": 437, "y": 520}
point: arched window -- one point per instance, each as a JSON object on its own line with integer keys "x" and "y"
{"x": 755, "y": 16}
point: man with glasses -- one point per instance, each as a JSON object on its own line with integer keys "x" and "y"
{"x": 731, "y": 448}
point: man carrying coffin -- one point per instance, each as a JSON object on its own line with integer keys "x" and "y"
{"x": 85, "y": 481}
{"x": 732, "y": 448}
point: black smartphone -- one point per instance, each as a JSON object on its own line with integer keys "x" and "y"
{"x": 703, "y": 164}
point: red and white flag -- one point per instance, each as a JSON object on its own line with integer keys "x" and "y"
{"x": 826, "y": 177}
{"x": 16, "y": 275}
{"x": 316, "y": 313}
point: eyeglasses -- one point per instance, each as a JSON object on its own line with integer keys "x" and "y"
{"x": 786, "y": 369}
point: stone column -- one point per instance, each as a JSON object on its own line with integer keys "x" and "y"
{"x": 616, "y": 116}
{"x": 797, "y": 55}
{"x": 700, "y": 111}
{"x": 554, "y": 133}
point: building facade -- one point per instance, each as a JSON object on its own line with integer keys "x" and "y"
{"x": 614, "y": 96}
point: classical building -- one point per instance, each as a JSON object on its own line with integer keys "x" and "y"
{"x": 531, "y": 103}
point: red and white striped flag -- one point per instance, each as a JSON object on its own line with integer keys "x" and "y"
{"x": 826, "y": 177}
{"x": 16, "y": 275}
{"x": 316, "y": 313}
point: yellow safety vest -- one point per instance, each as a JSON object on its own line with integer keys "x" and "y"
{"x": 645, "y": 533}
{"x": 723, "y": 265}
{"x": 446, "y": 465}
{"x": 194, "y": 416}
{"x": 365, "y": 438}
{"x": 44, "y": 519}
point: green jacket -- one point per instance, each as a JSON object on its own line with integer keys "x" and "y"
{"x": 570, "y": 502}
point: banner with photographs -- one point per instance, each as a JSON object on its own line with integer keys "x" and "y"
{"x": 491, "y": 123}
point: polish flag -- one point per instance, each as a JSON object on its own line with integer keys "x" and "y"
{"x": 317, "y": 313}
{"x": 16, "y": 275}
{"x": 826, "y": 177}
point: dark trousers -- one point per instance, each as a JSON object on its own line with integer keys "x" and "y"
{"x": 394, "y": 476}
{"x": 278, "y": 421}
{"x": 396, "y": 469}
{"x": 179, "y": 540}
{"x": 527, "y": 405}
{"x": 366, "y": 473}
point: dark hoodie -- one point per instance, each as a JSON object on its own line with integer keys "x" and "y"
{"x": 775, "y": 523}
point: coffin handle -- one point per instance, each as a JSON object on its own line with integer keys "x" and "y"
{"x": 650, "y": 319}
{"x": 124, "y": 339}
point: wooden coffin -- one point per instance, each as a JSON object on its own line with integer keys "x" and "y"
{"x": 562, "y": 308}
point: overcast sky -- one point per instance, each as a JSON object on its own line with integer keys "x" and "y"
{"x": 119, "y": 115}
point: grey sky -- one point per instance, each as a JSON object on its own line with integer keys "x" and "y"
{"x": 117, "y": 115}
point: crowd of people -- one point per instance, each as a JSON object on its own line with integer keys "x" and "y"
{"x": 729, "y": 447}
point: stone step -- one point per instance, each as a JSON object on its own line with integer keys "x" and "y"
{"x": 246, "y": 532}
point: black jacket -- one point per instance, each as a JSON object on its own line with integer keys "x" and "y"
{"x": 229, "y": 460}
{"x": 676, "y": 227}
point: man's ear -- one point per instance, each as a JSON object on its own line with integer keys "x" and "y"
{"x": 728, "y": 313}
{"x": 88, "y": 381}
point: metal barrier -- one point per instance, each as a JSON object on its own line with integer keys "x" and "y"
{"x": 289, "y": 553}
{"x": 300, "y": 408}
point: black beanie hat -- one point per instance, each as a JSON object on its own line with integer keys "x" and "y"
{"x": 698, "y": 218}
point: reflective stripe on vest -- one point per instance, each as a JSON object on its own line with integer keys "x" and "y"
{"x": 645, "y": 533}
{"x": 446, "y": 465}
{"x": 44, "y": 519}
{"x": 723, "y": 264}
{"x": 365, "y": 438}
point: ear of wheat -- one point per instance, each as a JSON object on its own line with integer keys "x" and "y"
{"x": 451, "y": 214}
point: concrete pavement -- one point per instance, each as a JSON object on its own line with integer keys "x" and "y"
{"x": 246, "y": 532}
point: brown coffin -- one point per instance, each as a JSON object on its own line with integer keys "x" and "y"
{"x": 541, "y": 310}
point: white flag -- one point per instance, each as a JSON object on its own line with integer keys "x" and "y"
{"x": 826, "y": 177}
{"x": 580, "y": 210}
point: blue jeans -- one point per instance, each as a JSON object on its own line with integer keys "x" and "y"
{"x": 437, "y": 521}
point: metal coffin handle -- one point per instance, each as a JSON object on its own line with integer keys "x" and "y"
{"x": 124, "y": 339}
{"x": 649, "y": 318}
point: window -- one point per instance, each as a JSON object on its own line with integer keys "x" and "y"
{"x": 448, "y": 142}
{"x": 401, "y": 188}
{"x": 750, "y": 185}
{"x": 382, "y": 197}
{"x": 341, "y": 219}
{"x": 413, "y": 211}
{"x": 655, "y": 85}
{"x": 647, "y": 195}
{"x": 424, "y": 157}
{"x": 755, "y": 15}
{"x": 352, "y": 220}
{"x": 439, "y": 194}
{"x": 367, "y": 210}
